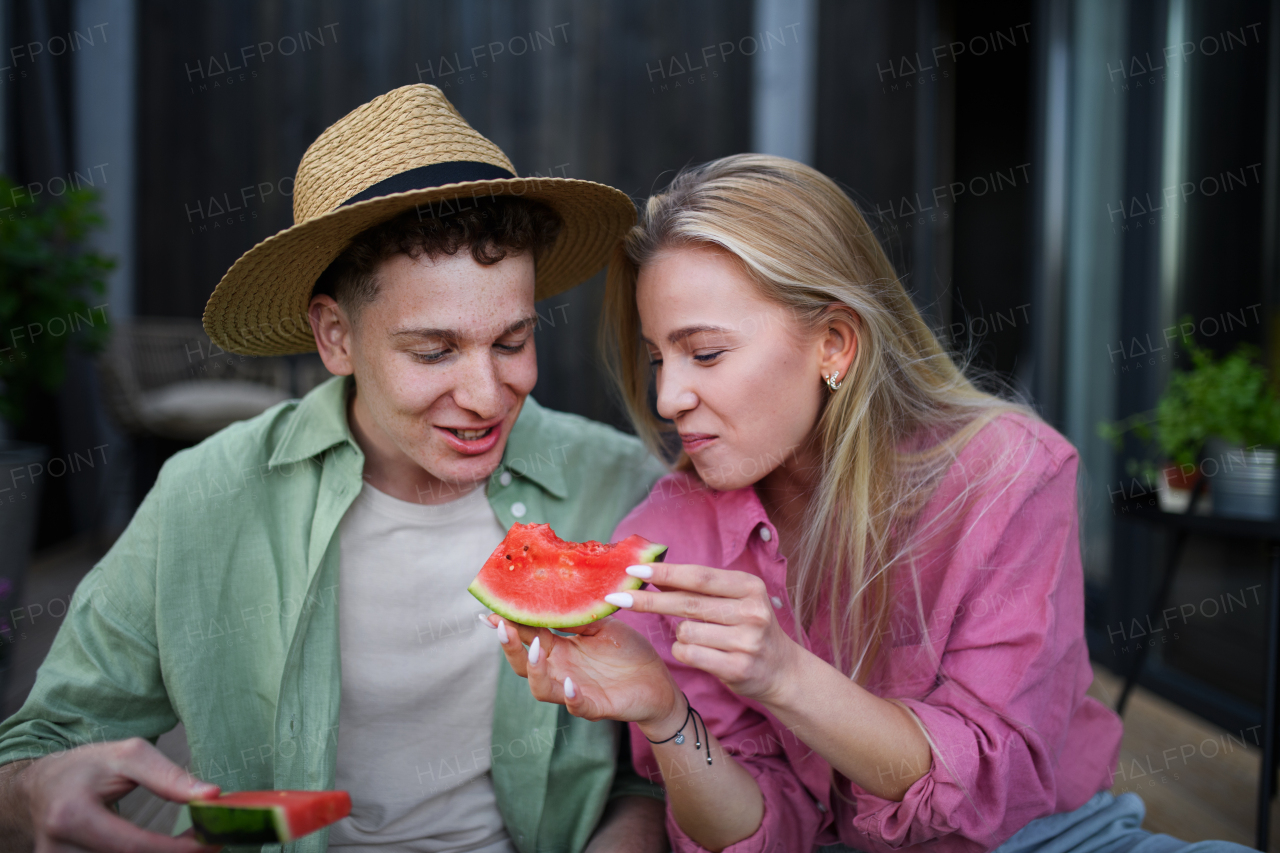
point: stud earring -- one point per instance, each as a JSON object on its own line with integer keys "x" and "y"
{"x": 831, "y": 381}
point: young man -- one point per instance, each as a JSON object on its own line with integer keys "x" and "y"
{"x": 293, "y": 589}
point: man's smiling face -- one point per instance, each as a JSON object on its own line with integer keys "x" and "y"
{"x": 443, "y": 359}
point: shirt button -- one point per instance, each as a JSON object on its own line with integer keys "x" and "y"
{"x": 765, "y": 534}
{"x": 822, "y": 808}
{"x": 518, "y": 509}
{"x": 505, "y": 478}
{"x": 777, "y": 602}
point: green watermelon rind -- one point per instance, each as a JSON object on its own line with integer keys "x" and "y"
{"x": 217, "y": 824}
{"x": 653, "y": 553}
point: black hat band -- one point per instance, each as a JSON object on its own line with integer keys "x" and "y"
{"x": 435, "y": 175}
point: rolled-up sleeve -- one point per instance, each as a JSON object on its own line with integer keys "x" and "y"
{"x": 1013, "y": 672}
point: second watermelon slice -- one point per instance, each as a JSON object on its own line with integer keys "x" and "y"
{"x": 266, "y": 817}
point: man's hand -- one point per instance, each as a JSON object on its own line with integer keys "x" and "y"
{"x": 59, "y": 802}
{"x": 631, "y": 825}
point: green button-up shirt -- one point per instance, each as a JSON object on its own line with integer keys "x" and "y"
{"x": 218, "y": 607}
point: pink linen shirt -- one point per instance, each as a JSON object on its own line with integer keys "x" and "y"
{"x": 1014, "y": 735}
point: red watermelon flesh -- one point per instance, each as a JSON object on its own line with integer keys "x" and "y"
{"x": 266, "y": 817}
{"x": 536, "y": 578}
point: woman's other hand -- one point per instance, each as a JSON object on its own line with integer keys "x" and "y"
{"x": 607, "y": 670}
{"x": 729, "y": 628}
{"x": 613, "y": 672}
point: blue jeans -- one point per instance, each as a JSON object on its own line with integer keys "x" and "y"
{"x": 1105, "y": 824}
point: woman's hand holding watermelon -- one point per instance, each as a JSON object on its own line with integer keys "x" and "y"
{"x": 611, "y": 670}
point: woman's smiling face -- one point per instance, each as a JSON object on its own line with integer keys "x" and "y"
{"x": 737, "y": 373}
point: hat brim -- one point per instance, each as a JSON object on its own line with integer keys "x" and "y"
{"x": 260, "y": 306}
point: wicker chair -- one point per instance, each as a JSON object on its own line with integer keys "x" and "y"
{"x": 164, "y": 377}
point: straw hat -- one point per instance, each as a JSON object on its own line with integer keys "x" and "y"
{"x": 402, "y": 149}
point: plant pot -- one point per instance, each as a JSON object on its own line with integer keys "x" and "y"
{"x": 1174, "y": 489}
{"x": 1245, "y": 483}
{"x": 19, "y": 512}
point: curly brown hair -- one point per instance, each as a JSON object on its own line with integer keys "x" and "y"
{"x": 493, "y": 228}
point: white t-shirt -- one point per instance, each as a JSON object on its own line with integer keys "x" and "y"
{"x": 419, "y": 677}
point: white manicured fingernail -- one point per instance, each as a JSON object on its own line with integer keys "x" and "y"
{"x": 640, "y": 571}
{"x": 620, "y": 599}
{"x": 569, "y": 692}
{"x": 502, "y": 633}
{"x": 534, "y": 649}
{"x": 484, "y": 620}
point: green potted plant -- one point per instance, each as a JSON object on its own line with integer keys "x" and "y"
{"x": 48, "y": 281}
{"x": 1220, "y": 419}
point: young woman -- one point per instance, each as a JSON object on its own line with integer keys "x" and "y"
{"x": 869, "y": 628}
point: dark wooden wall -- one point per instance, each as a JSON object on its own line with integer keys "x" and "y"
{"x": 991, "y": 311}
{"x": 919, "y": 104}
{"x": 869, "y": 109}
{"x": 589, "y": 104}
{"x": 1223, "y": 230}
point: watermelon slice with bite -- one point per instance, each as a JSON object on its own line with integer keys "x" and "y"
{"x": 536, "y": 578}
{"x": 266, "y": 817}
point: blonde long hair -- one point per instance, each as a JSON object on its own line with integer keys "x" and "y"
{"x": 807, "y": 248}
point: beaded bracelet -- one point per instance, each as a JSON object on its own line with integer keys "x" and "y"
{"x": 678, "y": 737}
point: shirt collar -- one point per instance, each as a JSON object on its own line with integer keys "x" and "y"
{"x": 536, "y": 451}
{"x": 319, "y": 422}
